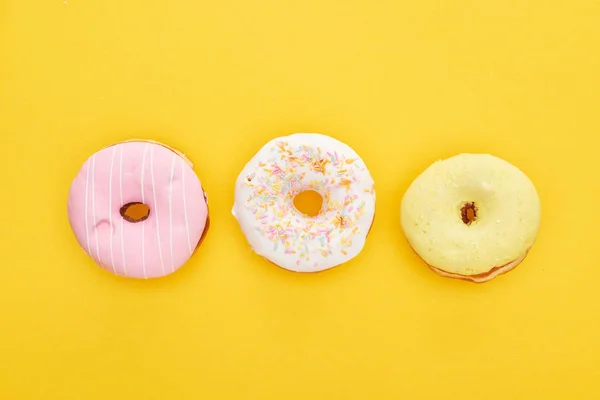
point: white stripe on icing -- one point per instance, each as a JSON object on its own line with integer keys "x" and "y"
{"x": 171, "y": 211}
{"x": 162, "y": 265}
{"x": 121, "y": 205}
{"x": 94, "y": 209}
{"x": 87, "y": 229}
{"x": 187, "y": 227}
{"x": 112, "y": 163}
{"x": 144, "y": 222}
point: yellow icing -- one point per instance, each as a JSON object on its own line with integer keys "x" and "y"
{"x": 507, "y": 222}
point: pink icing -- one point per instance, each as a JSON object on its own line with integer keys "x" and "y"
{"x": 137, "y": 172}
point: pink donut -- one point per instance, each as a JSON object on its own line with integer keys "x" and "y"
{"x": 130, "y": 173}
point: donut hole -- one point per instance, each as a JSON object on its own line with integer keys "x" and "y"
{"x": 468, "y": 213}
{"x": 309, "y": 203}
{"x": 135, "y": 212}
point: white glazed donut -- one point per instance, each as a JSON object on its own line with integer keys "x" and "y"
{"x": 276, "y": 230}
{"x": 471, "y": 217}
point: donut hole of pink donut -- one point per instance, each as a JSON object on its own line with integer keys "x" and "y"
{"x": 135, "y": 212}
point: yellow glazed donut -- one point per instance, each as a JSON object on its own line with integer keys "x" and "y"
{"x": 471, "y": 216}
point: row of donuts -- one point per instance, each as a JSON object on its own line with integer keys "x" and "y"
{"x": 138, "y": 209}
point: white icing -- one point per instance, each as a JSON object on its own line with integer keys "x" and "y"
{"x": 122, "y": 220}
{"x": 112, "y": 163}
{"x": 171, "y": 211}
{"x": 144, "y": 201}
{"x": 158, "y": 243}
{"x": 187, "y": 225}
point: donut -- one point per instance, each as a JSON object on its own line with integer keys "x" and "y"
{"x": 277, "y": 230}
{"x": 138, "y": 209}
{"x": 471, "y": 216}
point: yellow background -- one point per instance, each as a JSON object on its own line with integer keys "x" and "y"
{"x": 404, "y": 83}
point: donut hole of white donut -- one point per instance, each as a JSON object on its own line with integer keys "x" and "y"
{"x": 309, "y": 203}
{"x": 135, "y": 212}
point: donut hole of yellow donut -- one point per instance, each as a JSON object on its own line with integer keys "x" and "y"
{"x": 468, "y": 213}
{"x": 309, "y": 203}
{"x": 135, "y": 212}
